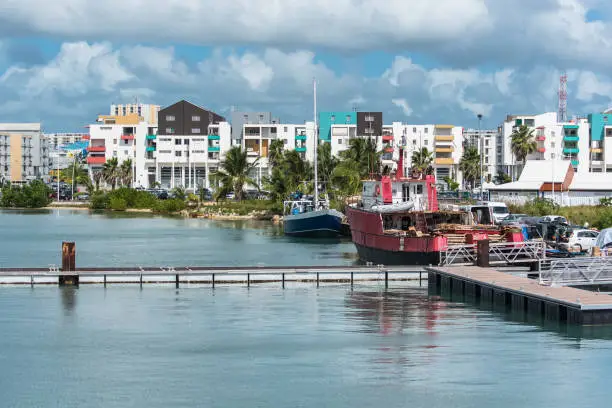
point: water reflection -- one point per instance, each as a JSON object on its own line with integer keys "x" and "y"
{"x": 69, "y": 299}
{"x": 535, "y": 321}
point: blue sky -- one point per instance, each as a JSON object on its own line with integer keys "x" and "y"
{"x": 64, "y": 62}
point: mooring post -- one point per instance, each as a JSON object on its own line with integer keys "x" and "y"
{"x": 386, "y": 279}
{"x": 104, "y": 280}
{"x": 351, "y": 279}
{"x": 248, "y": 280}
{"x": 32, "y": 280}
{"x": 176, "y": 280}
{"x": 482, "y": 253}
{"x": 317, "y": 279}
{"x": 213, "y": 280}
{"x": 68, "y": 265}
{"x": 141, "y": 281}
{"x": 283, "y": 278}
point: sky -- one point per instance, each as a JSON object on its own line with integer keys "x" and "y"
{"x": 63, "y": 62}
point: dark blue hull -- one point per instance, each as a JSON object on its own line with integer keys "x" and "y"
{"x": 323, "y": 223}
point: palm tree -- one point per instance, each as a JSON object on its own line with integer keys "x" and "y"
{"x": 110, "y": 172}
{"x": 126, "y": 173}
{"x": 363, "y": 151}
{"x": 275, "y": 152}
{"x": 75, "y": 174}
{"x": 522, "y": 143}
{"x": 470, "y": 165}
{"x": 502, "y": 178}
{"x": 346, "y": 178}
{"x": 326, "y": 162}
{"x": 421, "y": 161}
{"x": 97, "y": 177}
{"x": 234, "y": 173}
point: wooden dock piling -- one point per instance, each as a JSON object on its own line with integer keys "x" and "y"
{"x": 68, "y": 277}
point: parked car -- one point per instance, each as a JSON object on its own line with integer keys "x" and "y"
{"x": 514, "y": 219}
{"x": 583, "y": 239}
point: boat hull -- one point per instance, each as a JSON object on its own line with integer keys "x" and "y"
{"x": 374, "y": 246}
{"x": 321, "y": 223}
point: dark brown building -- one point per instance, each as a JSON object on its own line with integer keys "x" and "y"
{"x": 369, "y": 123}
{"x": 185, "y": 118}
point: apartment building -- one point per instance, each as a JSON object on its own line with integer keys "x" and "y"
{"x": 257, "y": 139}
{"x": 491, "y": 148}
{"x": 124, "y": 137}
{"x": 190, "y": 144}
{"x": 24, "y": 153}
{"x": 239, "y": 119}
{"x": 149, "y": 113}
{"x": 568, "y": 141}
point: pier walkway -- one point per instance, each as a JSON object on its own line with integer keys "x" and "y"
{"x": 559, "y": 303}
{"x": 212, "y": 275}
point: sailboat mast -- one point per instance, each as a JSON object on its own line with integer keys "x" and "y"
{"x": 316, "y": 144}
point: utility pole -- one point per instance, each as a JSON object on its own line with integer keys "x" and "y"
{"x": 481, "y": 158}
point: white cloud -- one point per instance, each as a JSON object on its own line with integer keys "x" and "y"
{"x": 84, "y": 78}
{"x": 403, "y": 105}
{"x": 509, "y": 32}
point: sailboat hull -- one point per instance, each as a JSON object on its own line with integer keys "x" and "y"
{"x": 320, "y": 223}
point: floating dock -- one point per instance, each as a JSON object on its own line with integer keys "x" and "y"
{"x": 211, "y": 275}
{"x": 564, "y": 304}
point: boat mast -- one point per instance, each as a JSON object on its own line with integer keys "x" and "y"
{"x": 316, "y": 144}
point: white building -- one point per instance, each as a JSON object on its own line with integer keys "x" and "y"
{"x": 568, "y": 141}
{"x": 124, "y": 138}
{"x": 258, "y": 137}
{"x": 147, "y": 112}
{"x": 490, "y": 146}
{"x": 188, "y": 160}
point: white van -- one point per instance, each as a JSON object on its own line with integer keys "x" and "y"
{"x": 500, "y": 210}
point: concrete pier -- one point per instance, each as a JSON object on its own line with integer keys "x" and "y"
{"x": 562, "y": 304}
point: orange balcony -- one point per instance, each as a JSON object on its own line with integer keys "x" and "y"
{"x": 96, "y": 149}
{"x": 443, "y": 160}
{"x": 85, "y": 137}
{"x": 444, "y": 138}
{"x": 127, "y": 137}
{"x": 387, "y": 138}
{"x": 444, "y": 149}
{"x": 541, "y": 138}
{"x": 96, "y": 160}
{"x": 541, "y": 149}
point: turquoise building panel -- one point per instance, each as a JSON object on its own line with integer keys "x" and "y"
{"x": 598, "y": 122}
{"x": 327, "y": 119}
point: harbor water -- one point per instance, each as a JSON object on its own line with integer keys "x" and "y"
{"x": 334, "y": 346}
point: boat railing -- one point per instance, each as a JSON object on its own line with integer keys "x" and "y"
{"x": 506, "y": 253}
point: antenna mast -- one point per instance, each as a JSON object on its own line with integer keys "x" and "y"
{"x": 562, "y": 113}
{"x": 316, "y": 144}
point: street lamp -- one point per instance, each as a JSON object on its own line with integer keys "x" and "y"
{"x": 481, "y": 158}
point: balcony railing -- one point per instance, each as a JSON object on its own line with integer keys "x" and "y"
{"x": 300, "y": 137}
{"x": 541, "y": 149}
{"x": 96, "y": 160}
{"x": 213, "y": 148}
{"x": 387, "y": 138}
{"x": 214, "y": 137}
{"x": 150, "y": 148}
{"x": 127, "y": 137}
{"x": 300, "y": 149}
{"x": 571, "y": 150}
{"x": 445, "y": 149}
{"x": 540, "y": 138}
{"x": 447, "y": 138}
{"x": 151, "y": 137}
{"x": 96, "y": 149}
{"x": 570, "y": 138}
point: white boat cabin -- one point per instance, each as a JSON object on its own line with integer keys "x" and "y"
{"x": 390, "y": 195}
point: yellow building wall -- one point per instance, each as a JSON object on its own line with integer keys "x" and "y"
{"x": 130, "y": 119}
{"x": 16, "y": 159}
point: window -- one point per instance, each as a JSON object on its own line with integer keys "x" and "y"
{"x": 348, "y": 118}
{"x": 195, "y": 130}
{"x": 169, "y": 131}
{"x": 419, "y": 189}
{"x": 285, "y": 141}
{"x": 115, "y": 153}
{"x": 131, "y": 109}
{"x": 333, "y": 118}
{"x": 414, "y": 142}
{"x": 369, "y": 118}
{"x": 186, "y": 142}
{"x": 340, "y": 141}
{"x": 195, "y": 118}
{"x": 486, "y": 142}
{"x": 426, "y": 130}
{"x": 177, "y": 141}
{"x": 425, "y": 142}
{"x": 114, "y": 141}
{"x": 170, "y": 118}
{"x": 286, "y": 129}
{"x": 413, "y": 130}
{"x": 178, "y": 153}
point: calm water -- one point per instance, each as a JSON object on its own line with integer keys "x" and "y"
{"x": 33, "y": 239}
{"x": 298, "y": 347}
{"x": 265, "y": 346}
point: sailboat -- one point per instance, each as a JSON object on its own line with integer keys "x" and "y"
{"x": 311, "y": 216}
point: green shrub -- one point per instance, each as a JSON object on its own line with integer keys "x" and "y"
{"x": 117, "y": 204}
{"x": 134, "y": 198}
{"x": 36, "y": 194}
{"x": 98, "y": 201}
{"x": 169, "y": 206}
